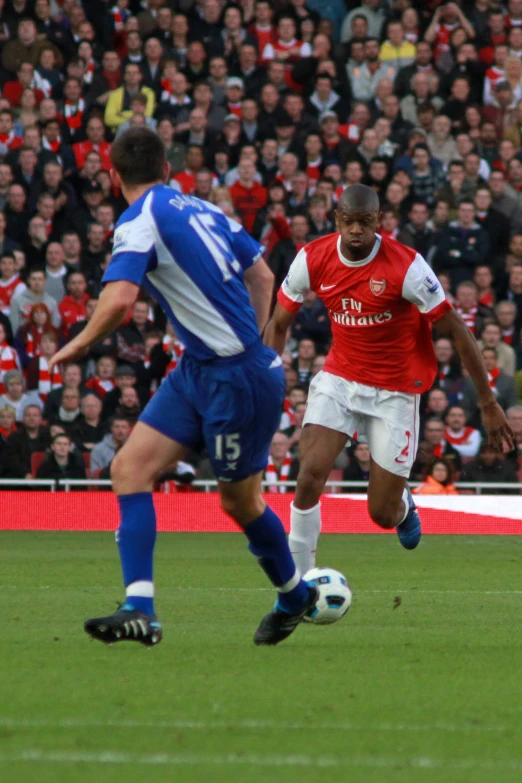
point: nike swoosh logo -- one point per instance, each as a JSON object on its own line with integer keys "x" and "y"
{"x": 327, "y": 287}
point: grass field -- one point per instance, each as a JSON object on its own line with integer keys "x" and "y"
{"x": 427, "y": 688}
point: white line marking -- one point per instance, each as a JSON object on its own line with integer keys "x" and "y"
{"x": 177, "y": 588}
{"x": 252, "y": 760}
{"x": 246, "y": 724}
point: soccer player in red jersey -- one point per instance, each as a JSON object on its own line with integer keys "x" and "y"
{"x": 382, "y": 299}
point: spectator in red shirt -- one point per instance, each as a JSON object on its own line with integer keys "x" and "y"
{"x": 185, "y": 181}
{"x": 8, "y": 139}
{"x": 286, "y": 48}
{"x": 248, "y": 196}
{"x": 72, "y": 306}
{"x": 25, "y": 78}
{"x": 95, "y": 131}
{"x": 103, "y": 381}
{"x": 262, "y": 29}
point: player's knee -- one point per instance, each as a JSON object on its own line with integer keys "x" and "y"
{"x": 229, "y": 505}
{"x": 312, "y": 479}
{"x": 127, "y": 475}
{"x": 117, "y": 468}
{"x": 242, "y": 512}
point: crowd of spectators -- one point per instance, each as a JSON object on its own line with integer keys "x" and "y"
{"x": 269, "y": 110}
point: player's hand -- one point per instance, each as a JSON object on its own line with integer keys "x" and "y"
{"x": 500, "y": 434}
{"x": 68, "y": 353}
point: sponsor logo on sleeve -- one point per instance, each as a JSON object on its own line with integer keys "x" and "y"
{"x": 121, "y": 238}
{"x": 431, "y": 283}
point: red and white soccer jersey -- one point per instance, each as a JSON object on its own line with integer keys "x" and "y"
{"x": 381, "y": 310}
{"x": 8, "y": 361}
{"x": 272, "y": 49}
{"x": 493, "y": 75}
{"x": 8, "y": 290}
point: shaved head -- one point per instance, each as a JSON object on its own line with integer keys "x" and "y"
{"x": 359, "y": 198}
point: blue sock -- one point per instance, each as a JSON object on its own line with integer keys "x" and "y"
{"x": 136, "y": 537}
{"x": 268, "y": 543}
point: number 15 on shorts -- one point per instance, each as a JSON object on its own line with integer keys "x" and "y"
{"x": 228, "y": 448}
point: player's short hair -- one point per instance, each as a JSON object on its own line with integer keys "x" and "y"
{"x": 491, "y": 350}
{"x": 359, "y": 197}
{"x": 138, "y": 155}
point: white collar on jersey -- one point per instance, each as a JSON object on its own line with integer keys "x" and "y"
{"x": 363, "y": 261}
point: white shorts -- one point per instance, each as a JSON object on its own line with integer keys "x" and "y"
{"x": 388, "y": 421}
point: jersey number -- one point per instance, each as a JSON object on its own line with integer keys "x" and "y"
{"x": 205, "y": 227}
{"x": 232, "y": 448}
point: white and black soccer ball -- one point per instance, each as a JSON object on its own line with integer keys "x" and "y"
{"x": 335, "y": 596}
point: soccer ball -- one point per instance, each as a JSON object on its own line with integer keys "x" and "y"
{"x": 335, "y": 596}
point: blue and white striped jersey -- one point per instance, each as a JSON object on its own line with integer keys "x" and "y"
{"x": 191, "y": 258}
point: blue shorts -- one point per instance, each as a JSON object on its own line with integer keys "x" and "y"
{"x": 230, "y": 406}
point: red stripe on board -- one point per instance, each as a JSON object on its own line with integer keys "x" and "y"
{"x": 200, "y": 512}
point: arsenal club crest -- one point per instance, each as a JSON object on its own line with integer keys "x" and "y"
{"x": 377, "y": 285}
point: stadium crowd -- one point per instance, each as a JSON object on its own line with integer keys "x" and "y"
{"x": 269, "y": 110}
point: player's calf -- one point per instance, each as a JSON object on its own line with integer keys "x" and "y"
{"x": 387, "y": 518}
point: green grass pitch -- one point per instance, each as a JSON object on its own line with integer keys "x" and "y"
{"x": 420, "y": 682}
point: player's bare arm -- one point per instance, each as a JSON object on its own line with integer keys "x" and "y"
{"x": 277, "y": 328}
{"x": 495, "y": 423}
{"x": 113, "y": 305}
{"x": 259, "y": 281}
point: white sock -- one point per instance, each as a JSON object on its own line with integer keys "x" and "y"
{"x": 405, "y": 497}
{"x": 141, "y": 589}
{"x": 305, "y": 527}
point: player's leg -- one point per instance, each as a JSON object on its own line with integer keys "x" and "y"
{"x": 153, "y": 445}
{"x": 319, "y": 447}
{"x": 386, "y": 497}
{"x": 244, "y": 502}
{"x": 392, "y": 438}
{"x": 134, "y": 471}
{"x": 241, "y": 411}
